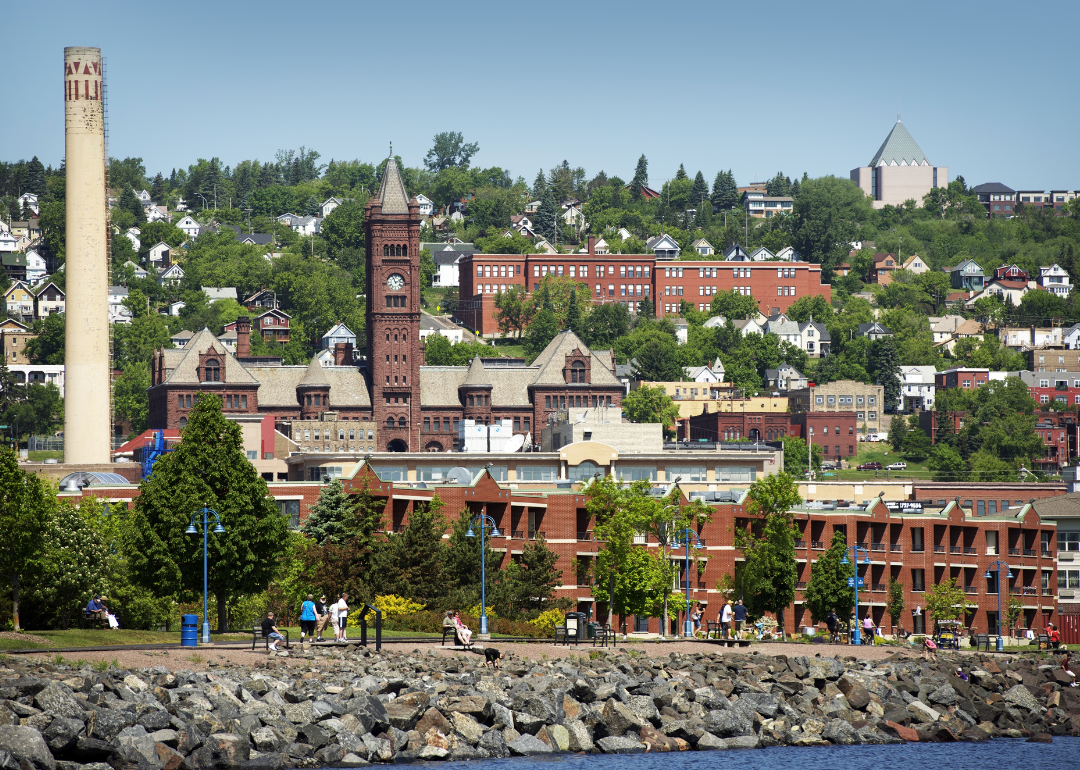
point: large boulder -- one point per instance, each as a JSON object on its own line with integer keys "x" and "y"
{"x": 858, "y": 697}
{"x": 527, "y": 745}
{"x": 1021, "y": 696}
{"x": 579, "y": 737}
{"x": 27, "y": 747}
{"x": 618, "y": 719}
{"x": 621, "y": 744}
{"x": 57, "y": 700}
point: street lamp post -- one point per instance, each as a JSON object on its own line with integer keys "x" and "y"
{"x": 485, "y": 522}
{"x": 856, "y": 635}
{"x": 997, "y": 566}
{"x": 687, "y": 537}
{"x": 191, "y": 530}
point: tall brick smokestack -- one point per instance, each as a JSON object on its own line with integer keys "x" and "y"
{"x": 243, "y": 337}
{"x": 86, "y": 348}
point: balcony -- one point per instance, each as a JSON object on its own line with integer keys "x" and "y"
{"x": 956, "y": 549}
{"x": 877, "y": 587}
{"x": 584, "y": 535}
{"x": 683, "y": 584}
{"x": 897, "y": 548}
{"x": 535, "y": 533}
{"x": 399, "y": 528}
{"x": 969, "y": 551}
{"x": 1030, "y": 591}
{"x": 1014, "y": 552}
{"x": 817, "y": 545}
{"x": 918, "y": 549}
{"x": 800, "y": 544}
{"x": 1046, "y": 554}
{"x": 877, "y": 546}
{"x": 1047, "y": 591}
{"x": 971, "y": 589}
{"x": 939, "y": 549}
{"x": 1030, "y": 552}
{"x": 517, "y": 534}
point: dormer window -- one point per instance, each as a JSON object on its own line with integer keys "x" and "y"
{"x": 211, "y": 370}
{"x": 577, "y": 372}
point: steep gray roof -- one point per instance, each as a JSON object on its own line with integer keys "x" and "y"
{"x": 315, "y": 374}
{"x": 898, "y": 148}
{"x": 552, "y": 360}
{"x": 439, "y": 385}
{"x": 185, "y": 370}
{"x": 392, "y": 190}
{"x": 477, "y": 375}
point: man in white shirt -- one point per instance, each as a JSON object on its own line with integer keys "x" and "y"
{"x": 726, "y": 614}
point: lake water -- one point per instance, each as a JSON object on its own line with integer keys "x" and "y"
{"x": 1062, "y": 754}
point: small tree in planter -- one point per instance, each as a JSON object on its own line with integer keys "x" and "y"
{"x": 895, "y": 606}
{"x": 1013, "y": 612}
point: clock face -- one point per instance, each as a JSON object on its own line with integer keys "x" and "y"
{"x": 395, "y": 282}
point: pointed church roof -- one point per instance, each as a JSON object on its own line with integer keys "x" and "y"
{"x": 392, "y": 193}
{"x": 314, "y": 374}
{"x": 899, "y": 149}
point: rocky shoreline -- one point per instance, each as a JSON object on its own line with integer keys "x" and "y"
{"x": 351, "y": 708}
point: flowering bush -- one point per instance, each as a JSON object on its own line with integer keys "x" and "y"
{"x": 548, "y": 619}
{"x": 392, "y": 604}
{"x": 474, "y": 612}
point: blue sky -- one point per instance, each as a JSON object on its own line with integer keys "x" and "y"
{"x": 984, "y": 87}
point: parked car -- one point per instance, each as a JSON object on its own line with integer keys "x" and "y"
{"x": 869, "y": 467}
{"x": 827, "y": 466}
{"x": 901, "y": 466}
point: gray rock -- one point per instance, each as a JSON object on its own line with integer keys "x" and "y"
{"x": 429, "y": 752}
{"x": 27, "y": 747}
{"x": 62, "y": 733}
{"x": 379, "y": 749}
{"x": 57, "y": 700}
{"x": 618, "y": 718}
{"x": 8, "y": 762}
{"x": 1021, "y": 696}
{"x": 727, "y": 724}
{"x": 709, "y": 742}
{"x": 129, "y": 758}
{"x": 920, "y": 712}
{"x": 621, "y": 744}
{"x": 330, "y": 755}
{"x": 944, "y": 695}
{"x": 106, "y": 724}
{"x": 267, "y": 739}
{"x": 469, "y": 729}
{"x": 528, "y": 744}
{"x": 493, "y": 743}
{"x": 824, "y": 668}
{"x": 840, "y": 733}
{"x": 352, "y": 760}
{"x": 502, "y": 716}
{"x": 579, "y": 737}
{"x": 527, "y": 723}
{"x": 762, "y": 703}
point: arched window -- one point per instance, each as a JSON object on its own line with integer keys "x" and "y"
{"x": 389, "y": 422}
{"x": 183, "y": 422}
{"x": 386, "y": 250}
{"x": 586, "y": 469}
{"x": 405, "y": 250}
{"x": 577, "y": 372}
{"x": 401, "y": 422}
{"x": 212, "y": 370}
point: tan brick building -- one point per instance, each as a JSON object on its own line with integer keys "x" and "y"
{"x": 866, "y": 401}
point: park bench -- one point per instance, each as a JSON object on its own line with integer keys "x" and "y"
{"x": 982, "y": 641}
{"x": 94, "y": 620}
{"x": 451, "y": 631}
{"x": 256, "y": 635}
{"x": 733, "y": 642}
{"x": 603, "y": 633}
{"x": 570, "y": 629}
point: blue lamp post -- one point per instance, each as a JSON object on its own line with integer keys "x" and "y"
{"x": 856, "y": 635}
{"x": 687, "y": 537}
{"x": 191, "y": 530}
{"x": 485, "y": 522}
{"x": 997, "y": 566}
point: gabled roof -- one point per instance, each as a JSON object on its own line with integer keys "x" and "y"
{"x": 899, "y": 149}
{"x": 341, "y": 330}
{"x": 965, "y": 264}
{"x": 62, "y": 293}
{"x": 392, "y": 190}
{"x": 658, "y": 241}
{"x": 186, "y": 369}
{"x": 551, "y": 361}
{"x": 872, "y": 328}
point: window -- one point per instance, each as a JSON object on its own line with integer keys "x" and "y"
{"x": 872, "y": 401}
{"x": 524, "y": 427}
{"x": 584, "y": 470}
{"x": 390, "y": 472}
{"x": 427, "y": 424}
{"x": 689, "y": 473}
{"x": 871, "y": 416}
{"x": 577, "y": 372}
{"x": 1068, "y": 541}
{"x": 831, "y": 400}
{"x": 253, "y": 454}
{"x": 538, "y": 473}
{"x": 727, "y": 474}
{"x": 917, "y": 539}
{"x": 819, "y": 400}
{"x": 1068, "y": 578}
{"x": 637, "y": 473}
{"x": 212, "y": 370}
{"x": 918, "y": 580}
{"x": 860, "y": 400}
{"x": 290, "y": 509}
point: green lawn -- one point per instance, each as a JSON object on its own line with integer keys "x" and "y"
{"x": 882, "y": 452}
{"x": 39, "y": 456}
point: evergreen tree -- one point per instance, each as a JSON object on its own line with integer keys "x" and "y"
{"x": 681, "y": 173}
{"x": 656, "y": 362}
{"x": 827, "y": 590}
{"x": 547, "y": 218}
{"x": 311, "y": 208}
{"x": 157, "y": 189}
{"x": 886, "y": 362}
{"x": 349, "y": 565}
{"x": 411, "y": 564}
{"x": 648, "y": 310}
{"x": 208, "y": 469}
{"x": 461, "y": 563}
{"x": 130, "y": 203}
{"x": 267, "y": 176}
{"x": 541, "y": 331}
{"x": 327, "y": 521}
{"x": 539, "y": 185}
{"x": 641, "y": 177}
{"x": 725, "y": 194}
{"x": 537, "y": 576}
{"x": 699, "y": 192}
{"x": 574, "y": 320}
{"x": 75, "y": 561}
{"x": 35, "y": 177}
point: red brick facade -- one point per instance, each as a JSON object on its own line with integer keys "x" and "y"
{"x": 629, "y": 278}
{"x": 834, "y": 432}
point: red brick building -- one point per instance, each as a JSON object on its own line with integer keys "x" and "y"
{"x": 961, "y": 377}
{"x": 834, "y": 432}
{"x": 1058, "y": 431}
{"x": 629, "y": 278}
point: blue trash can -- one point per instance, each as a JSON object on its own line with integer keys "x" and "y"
{"x": 189, "y": 630}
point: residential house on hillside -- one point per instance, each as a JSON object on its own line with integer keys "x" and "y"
{"x": 181, "y": 338}
{"x": 1011, "y": 273}
{"x": 214, "y": 293}
{"x": 171, "y": 276}
{"x": 1010, "y": 292}
{"x": 1070, "y": 337}
{"x": 788, "y": 254}
{"x": 136, "y": 270}
{"x": 339, "y": 334}
{"x": 944, "y": 327}
{"x": 329, "y": 205}
{"x": 28, "y": 200}
{"x": 663, "y": 246}
{"x": 707, "y": 373}
{"x": 427, "y": 206}
{"x": 118, "y": 314}
{"x": 784, "y": 378}
{"x": 262, "y": 299}
{"x": 448, "y": 258}
{"x": 1027, "y": 337}
{"x": 736, "y": 253}
{"x": 13, "y": 339}
{"x": 884, "y": 265}
{"x": 916, "y": 264}
{"x": 1054, "y": 279}
{"x": 135, "y": 242}
{"x": 20, "y": 300}
{"x": 998, "y": 199}
{"x": 8, "y": 242}
{"x": 967, "y": 276}
{"x": 273, "y": 325}
{"x": 156, "y": 214}
{"x": 50, "y": 299}
{"x": 159, "y": 255}
{"x": 255, "y": 239}
{"x": 14, "y": 263}
{"x": 189, "y": 227}
{"x": 301, "y": 225}
{"x": 703, "y": 247}
{"x": 810, "y": 336}
{"x": 873, "y": 331}
{"x": 143, "y": 196}
{"x": 36, "y": 267}
{"x": 747, "y": 326}
{"x": 917, "y": 387}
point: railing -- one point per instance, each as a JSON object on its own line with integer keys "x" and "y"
{"x": 1047, "y": 592}
{"x": 1046, "y": 554}
{"x": 517, "y": 534}
{"x": 896, "y": 547}
{"x": 399, "y": 528}
{"x": 956, "y": 549}
{"x": 918, "y": 549}
{"x": 864, "y": 545}
{"x": 692, "y": 584}
{"x": 971, "y": 590}
{"x": 877, "y": 546}
{"x": 817, "y": 544}
{"x": 1030, "y": 591}
{"x": 939, "y": 549}
{"x": 879, "y": 587}
{"x": 1014, "y": 552}
{"x": 800, "y": 585}
{"x": 584, "y": 535}
{"x": 1029, "y": 552}
{"x": 918, "y": 589}
{"x": 969, "y": 551}
{"x": 533, "y": 533}
{"x": 800, "y": 544}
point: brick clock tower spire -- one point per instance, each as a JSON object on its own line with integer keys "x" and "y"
{"x": 392, "y": 238}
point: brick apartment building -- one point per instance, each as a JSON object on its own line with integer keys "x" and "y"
{"x": 1058, "y": 431}
{"x": 866, "y": 401}
{"x": 834, "y": 432}
{"x": 630, "y": 278}
{"x": 961, "y": 377}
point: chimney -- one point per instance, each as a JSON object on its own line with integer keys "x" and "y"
{"x": 592, "y": 245}
{"x": 343, "y": 354}
{"x": 243, "y": 337}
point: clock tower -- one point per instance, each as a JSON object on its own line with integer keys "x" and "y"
{"x": 392, "y": 240}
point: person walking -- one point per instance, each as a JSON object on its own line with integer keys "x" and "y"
{"x": 832, "y": 622}
{"x": 726, "y": 614}
{"x": 868, "y": 629}
{"x": 929, "y": 647}
{"x": 307, "y": 619}
{"x": 322, "y": 617}
{"x": 696, "y": 618}
{"x": 739, "y": 614}
{"x": 342, "y": 617}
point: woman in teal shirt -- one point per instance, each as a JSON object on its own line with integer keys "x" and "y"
{"x": 307, "y": 618}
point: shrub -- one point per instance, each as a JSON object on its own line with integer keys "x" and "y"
{"x": 474, "y": 612}
{"x": 548, "y": 619}
{"x": 391, "y": 604}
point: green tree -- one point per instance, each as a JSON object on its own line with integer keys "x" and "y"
{"x": 343, "y": 229}
{"x": 916, "y": 445}
{"x": 537, "y": 576}
{"x": 898, "y": 432}
{"x": 649, "y": 404}
{"x": 654, "y": 362}
{"x": 35, "y": 177}
{"x": 207, "y": 469}
{"x": 827, "y": 590}
{"x": 895, "y": 603}
{"x": 795, "y": 459}
{"x": 513, "y": 310}
{"x": 946, "y": 600}
{"x": 1013, "y": 612}
{"x": 48, "y": 346}
{"x": 733, "y": 305}
{"x": 725, "y": 193}
{"x": 40, "y": 410}
{"x": 606, "y": 324}
{"x": 886, "y": 364}
{"x": 768, "y": 547}
{"x": 130, "y": 203}
{"x": 437, "y": 351}
{"x": 946, "y": 463}
{"x": 411, "y": 564}
{"x": 26, "y": 506}
{"x": 641, "y": 177}
{"x": 130, "y": 398}
{"x": 74, "y": 560}
{"x": 826, "y": 217}
{"x": 328, "y": 519}
{"x": 450, "y": 149}
{"x": 614, "y": 508}
{"x": 547, "y": 216}
{"x": 574, "y": 320}
{"x": 354, "y": 565}
{"x": 542, "y": 329}
{"x": 461, "y": 562}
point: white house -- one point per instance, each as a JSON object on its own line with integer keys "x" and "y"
{"x": 181, "y": 338}
{"x": 329, "y": 205}
{"x": 138, "y": 271}
{"x": 917, "y": 387}
{"x": 39, "y": 374}
{"x": 35, "y": 267}
{"x": 1071, "y": 337}
{"x": 158, "y": 254}
{"x": 1021, "y": 337}
{"x": 1011, "y": 292}
{"x": 171, "y": 276}
{"x": 543, "y": 246}
{"x": 714, "y": 373}
{"x": 50, "y": 300}
{"x": 447, "y": 257}
{"x": 915, "y": 264}
{"x": 143, "y": 196}
{"x": 118, "y": 314}
{"x": 135, "y": 242}
{"x": 175, "y": 308}
{"x": 945, "y": 327}
{"x": 784, "y": 378}
{"x": 433, "y": 325}
{"x": 736, "y": 253}
{"x": 28, "y": 200}
{"x": 189, "y": 227}
{"x": 214, "y": 293}
{"x": 663, "y": 246}
{"x": 157, "y": 214}
{"x": 339, "y": 333}
{"x": 301, "y": 225}
{"x": 1055, "y": 279}
{"x": 8, "y": 242}
{"x": 427, "y": 206}
{"x": 761, "y": 254}
{"x": 788, "y": 254}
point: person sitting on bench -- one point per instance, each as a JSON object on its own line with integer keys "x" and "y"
{"x": 95, "y": 610}
{"x": 270, "y": 631}
{"x": 463, "y": 631}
